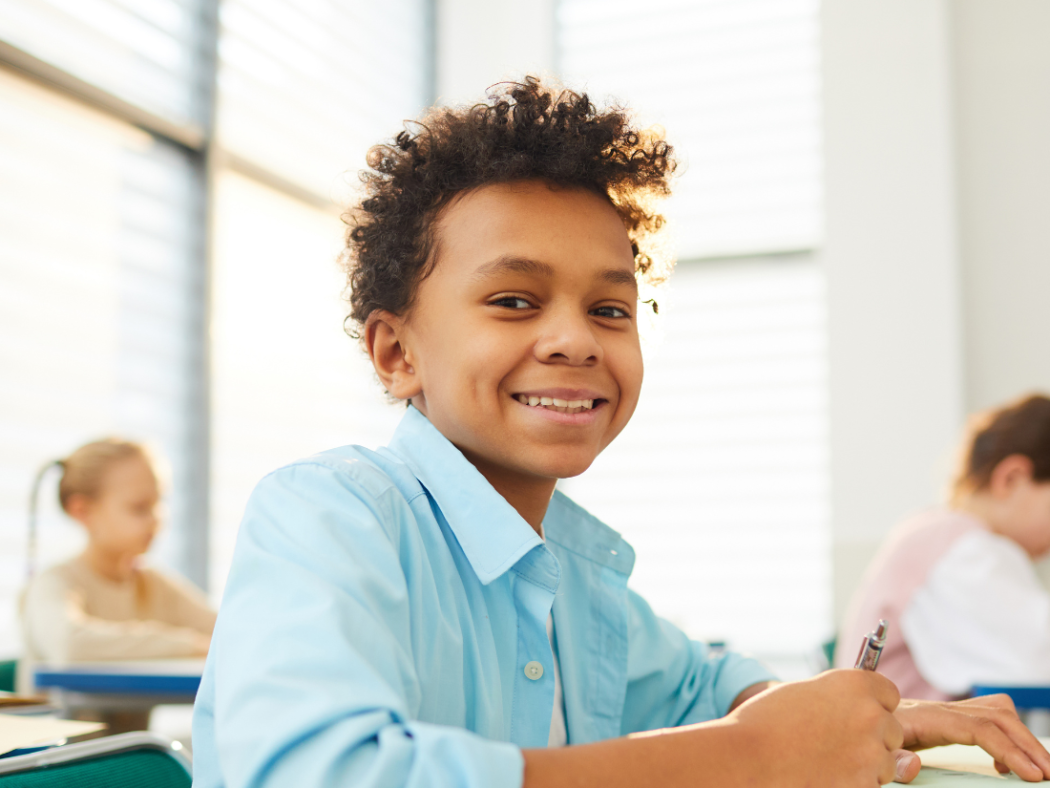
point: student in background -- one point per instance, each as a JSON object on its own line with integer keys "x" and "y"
{"x": 104, "y": 604}
{"x": 957, "y": 583}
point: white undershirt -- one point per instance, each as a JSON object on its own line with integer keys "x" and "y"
{"x": 981, "y": 617}
{"x": 559, "y": 737}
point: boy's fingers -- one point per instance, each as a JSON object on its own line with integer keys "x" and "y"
{"x": 907, "y": 765}
{"x": 994, "y": 740}
{"x": 884, "y": 690}
{"x": 888, "y": 772}
{"x": 1018, "y": 734}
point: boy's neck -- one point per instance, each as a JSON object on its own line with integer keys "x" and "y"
{"x": 529, "y": 495}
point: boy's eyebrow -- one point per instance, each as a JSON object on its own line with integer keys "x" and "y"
{"x": 510, "y": 263}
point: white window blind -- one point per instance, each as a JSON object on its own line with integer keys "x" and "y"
{"x": 99, "y": 310}
{"x": 720, "y": 481}
{"x": 152, "y": 53}
{"x": 287, "y": 381}
{"x": 736, "y": 85}
{"x": 305, "y": 88}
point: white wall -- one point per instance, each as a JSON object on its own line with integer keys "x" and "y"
{"x": 481, "y": 42}
{"x": 1002, "y": 81}
{"x": 890, "y": 257}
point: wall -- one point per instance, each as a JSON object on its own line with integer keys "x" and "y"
{"x": 505, "y": 39}
{"x": 890, "y": 258}
{"x": 1002, "y": 94}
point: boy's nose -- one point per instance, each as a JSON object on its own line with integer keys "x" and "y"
{"x": 568, "y": 342}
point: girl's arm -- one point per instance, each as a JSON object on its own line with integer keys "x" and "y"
{"x": 61, "y": 629}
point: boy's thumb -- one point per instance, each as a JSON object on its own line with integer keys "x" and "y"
{"x": 908, "y": 765}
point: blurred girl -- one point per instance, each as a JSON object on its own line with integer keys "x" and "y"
{"x": 103, "y": 604}
{"x": 957, "y": 584}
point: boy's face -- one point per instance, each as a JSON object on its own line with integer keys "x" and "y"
{"x": 532, "y": 300}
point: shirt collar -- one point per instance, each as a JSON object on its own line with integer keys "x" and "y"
{"x": 490, "y": 531}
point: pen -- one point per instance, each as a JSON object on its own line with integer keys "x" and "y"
{"x": 871, "y": 648}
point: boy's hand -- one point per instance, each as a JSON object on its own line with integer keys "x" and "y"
{"x": 835, "y": 729}
{"x": 991, "y": 722}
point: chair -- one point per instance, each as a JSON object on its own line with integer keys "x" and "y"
{"x": 127, "y": 760}
{"x": 1032, "y": 704}
{"x": 7, "y": 675}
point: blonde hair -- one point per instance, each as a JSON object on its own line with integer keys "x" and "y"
{"x": 84, "y": 470}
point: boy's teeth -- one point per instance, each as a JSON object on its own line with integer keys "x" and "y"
{"x": 570, "y": 405}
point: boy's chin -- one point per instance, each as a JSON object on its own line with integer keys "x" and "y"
{"x": 566, "y": 467}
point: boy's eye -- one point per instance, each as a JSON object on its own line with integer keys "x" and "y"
{"x": 609, "y": 311}
{"x": 511, "y": 302}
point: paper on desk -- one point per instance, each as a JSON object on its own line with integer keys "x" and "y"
{"x": 17, "y": 732}
{"x": 961, "y": 765}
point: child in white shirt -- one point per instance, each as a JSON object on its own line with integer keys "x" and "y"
{"x": 957, "y": 584}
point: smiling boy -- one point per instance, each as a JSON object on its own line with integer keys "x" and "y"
{"x": 434, "y": 612}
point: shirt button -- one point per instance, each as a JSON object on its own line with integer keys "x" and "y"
{"x": 533, "y": 670}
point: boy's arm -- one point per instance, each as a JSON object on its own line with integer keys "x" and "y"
{"x": 834, "y": 729}
{"x": 674, "y": 681}
{"x": 313, "y": 677}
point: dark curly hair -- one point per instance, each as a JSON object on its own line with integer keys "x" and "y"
{"x": 526, "y": 130}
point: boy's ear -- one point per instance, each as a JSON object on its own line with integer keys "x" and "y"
{"x": 384, "y": 336}
{"x": 1008, "y": 473}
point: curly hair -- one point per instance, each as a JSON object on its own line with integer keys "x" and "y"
{"x": 525, "y": 130}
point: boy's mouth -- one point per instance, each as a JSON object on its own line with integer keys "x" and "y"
{"x": 559, "y": 405}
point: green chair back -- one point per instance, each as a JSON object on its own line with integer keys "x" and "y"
{"x": 828, "y": 648}
{"x": 133, "y": 768}
{"x": 7, "y": 675}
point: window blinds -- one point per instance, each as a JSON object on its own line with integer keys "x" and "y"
{"x": 735, "y": 83}
{"x": 305, "y": 88}
{"x": 151, "y": 53}
{"x": 287, "y": 381}
{"x": 720, "y": 481}
{"x": 99, "y": 309}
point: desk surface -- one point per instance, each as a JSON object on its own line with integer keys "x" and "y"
{"x": 133, "y": 677}
{"x": 959, "y": 765}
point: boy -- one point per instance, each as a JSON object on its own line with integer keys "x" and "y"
{"x": 434, "y": 613}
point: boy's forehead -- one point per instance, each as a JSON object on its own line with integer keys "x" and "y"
{"x": 533, "y": 220}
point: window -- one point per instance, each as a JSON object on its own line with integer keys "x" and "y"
{"x": 140, "y": 242}
{"x": 100, "y": 307}
{"x": 736, "y": 85}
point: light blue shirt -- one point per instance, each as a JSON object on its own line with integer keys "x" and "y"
{"x": 382, "y": 614}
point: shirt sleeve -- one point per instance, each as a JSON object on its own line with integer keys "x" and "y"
{"x": 314, "y": 675}
{"x": 61, "y": 629}
{"x": 673, "y": 680}
{"x": 981, "y": 617}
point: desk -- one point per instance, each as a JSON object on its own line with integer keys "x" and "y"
{"x": 959, "y": 766}
{"x": 121, "y": 686}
